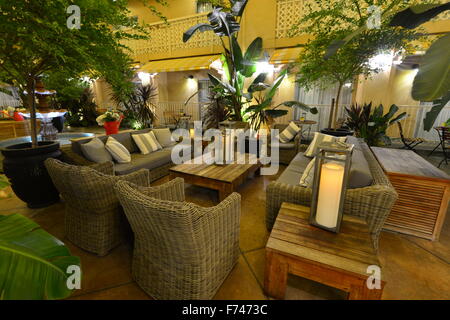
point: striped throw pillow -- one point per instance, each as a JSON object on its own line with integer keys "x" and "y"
{"x": 118, "y": 151}
{"x": 289, "y": 133}
{"x": 146, "y": 142}
{"x": 319, "y": 138}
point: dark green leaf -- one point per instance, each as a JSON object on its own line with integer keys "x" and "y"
{"x": 238, "y": 7}
{"x": 202, "y": 27}
{"x": 237, "y": 53}
{"x": 271, "y": 93}
{"x": 300, "y": 105}
{"x": 251, "y": 57}
{"x": 432, "y": 115}
{"x": 417, "y": 15}
{"x": 276, "y": 113}
{"x": 400, "y": 117}
{"x": 433, "y": 79}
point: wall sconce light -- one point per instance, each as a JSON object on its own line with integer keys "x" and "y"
{"x": 330, "y": 185}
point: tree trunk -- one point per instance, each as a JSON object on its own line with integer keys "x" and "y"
{"x": 32, "y": 106}
{"x": 336, "y": 107}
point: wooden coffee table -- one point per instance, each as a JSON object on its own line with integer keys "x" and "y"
{"x": 223, "y": 178}
{"x": 336, "y": 260}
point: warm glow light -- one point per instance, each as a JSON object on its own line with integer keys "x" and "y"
{"x": 348, "y": 85}
{"x": 144, "y": 77}
{"x": 381, "y": 61}
{"x": 330, "y": 188}
{"x": 264, "y": 67}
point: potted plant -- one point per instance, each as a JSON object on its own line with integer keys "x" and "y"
{"x": 329, "y": 22}
{"x": 86, "y": 49}
{"x": 110, "y": 120}
{"x": 239, "y": 68}
{"x": 372, "y": 124}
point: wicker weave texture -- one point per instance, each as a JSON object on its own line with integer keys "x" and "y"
{"x": 373, "y": 203}
{"x": 94, "y": 219}
{"x": 182, "y": 251}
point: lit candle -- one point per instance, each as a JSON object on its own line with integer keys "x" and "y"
{"x": 330, "y": 189}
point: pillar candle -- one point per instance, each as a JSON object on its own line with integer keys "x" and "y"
{"x": 330, "y": 190}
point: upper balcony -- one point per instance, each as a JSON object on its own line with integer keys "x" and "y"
{"x": 270, "y": 19}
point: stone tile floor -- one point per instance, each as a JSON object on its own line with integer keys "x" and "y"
{"x": 413, "y": 268}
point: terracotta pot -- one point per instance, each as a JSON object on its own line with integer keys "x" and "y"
{"x": 18, "y": 117}
{"x": 112, "y": 127}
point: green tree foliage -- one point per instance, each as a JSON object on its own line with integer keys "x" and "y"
{"x": 36, "y": 40}
{"x": 334, "y": 23}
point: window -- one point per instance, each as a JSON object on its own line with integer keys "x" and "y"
{"x": 204, "y": 7}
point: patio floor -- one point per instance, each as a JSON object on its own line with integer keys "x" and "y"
{"x": 413, "y": 268}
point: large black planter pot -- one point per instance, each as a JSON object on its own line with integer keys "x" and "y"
{"x": 25, "y": 168}
{"x": 337, "y": 132}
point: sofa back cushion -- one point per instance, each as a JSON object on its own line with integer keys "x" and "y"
{"x": 164, "y": 137}
{"x": 147, "y": 142}
{"x": 118, "y": 150}
{"x": 319, "y": 138}
{"x": 95, "y": 151}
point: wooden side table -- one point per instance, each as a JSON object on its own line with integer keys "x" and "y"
{"x": 423, "y": 193}
{"x": 336, "y": 260}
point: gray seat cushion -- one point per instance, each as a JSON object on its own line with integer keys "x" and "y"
{"x": 294, "y": 171}
{"x": 359, "y": 176}
{"x": 141, "y": 161}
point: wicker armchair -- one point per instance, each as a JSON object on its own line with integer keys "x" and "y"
{"x": 373, "y": 203}
{"x": 288, "y": 150}
{"x": 181, "y": 250}
{"x": 94, "y": 219}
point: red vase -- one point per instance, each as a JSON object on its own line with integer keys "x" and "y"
{"x": 18, "y": 117}
{"x": 112, "y": 127}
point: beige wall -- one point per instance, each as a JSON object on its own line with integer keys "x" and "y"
{"x": 260, "y": 20}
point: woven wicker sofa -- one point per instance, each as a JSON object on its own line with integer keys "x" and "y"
{"x": 158, "y": 162}
{"x": 373, "y": 203}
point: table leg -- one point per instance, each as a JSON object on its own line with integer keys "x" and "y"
{"x": 275, "y": 276}
{"x": 362, "y": 292}
{"x": 225, "y": 191}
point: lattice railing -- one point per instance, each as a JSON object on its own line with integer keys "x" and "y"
{"x": 289, "y": 13}
{"x": 167, "y": 38}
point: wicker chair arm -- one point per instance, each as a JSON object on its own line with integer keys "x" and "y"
{"x": 70, "y": 157}
{"x": 140, "y": 177}
{"x": 105, "y": 167}
{"x": 224, "y": 219}
{"x": 170, "y": 191}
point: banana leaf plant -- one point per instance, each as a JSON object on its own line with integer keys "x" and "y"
{"x": 262, "y": 113}
{"x": 239, "y": 66}
{"x": 33, "y": 263}
{"x": 371, "y": 125}
{"x": 432, "y": 82}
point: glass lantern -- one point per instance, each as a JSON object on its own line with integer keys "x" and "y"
{"x": 330, "y": 185}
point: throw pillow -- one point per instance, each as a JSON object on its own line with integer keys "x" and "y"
{"x": 95, "y": 151}
{"x": 318, "y": 139}
{"x": 146, "y": 142}
{"x": 164, "y": 137}
{"x": 118, "y": 151}
{"x": 289, "y": 133}
{"x": 307, "y": 177}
